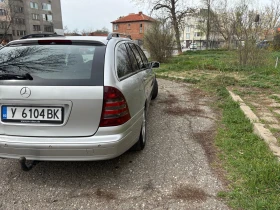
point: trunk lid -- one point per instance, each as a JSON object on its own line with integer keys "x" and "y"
{"x": 51, "y": 87}
{"x": 81, "y": 110}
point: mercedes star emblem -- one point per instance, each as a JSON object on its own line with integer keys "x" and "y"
{"x": 25, "y": 92}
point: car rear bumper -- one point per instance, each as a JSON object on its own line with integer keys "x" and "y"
{"x": 98, "y": 147}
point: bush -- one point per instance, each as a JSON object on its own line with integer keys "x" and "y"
{"x": 250, "y": 55}
{"x": 159, "y": 41}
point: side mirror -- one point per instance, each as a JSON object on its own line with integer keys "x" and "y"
{"x": 155, "y": 65}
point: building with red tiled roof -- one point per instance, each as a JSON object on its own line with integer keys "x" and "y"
{"x": 133, "y": 24}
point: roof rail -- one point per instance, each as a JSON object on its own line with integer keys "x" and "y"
{"x": 116, "y": 34}
{"x": 40, "y": 35}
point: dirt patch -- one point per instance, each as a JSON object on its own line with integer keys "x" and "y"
{"x": 205, "y": 139}
{"x": 99, "y": 193}
{"x": 189, "y": 193}
{"x": 179, "y": 111}
{"x": 105, "y": 194}
{"x": 149, "y": 186}
{"x": 170, "y": 100}
{"x": 196, "y": 94}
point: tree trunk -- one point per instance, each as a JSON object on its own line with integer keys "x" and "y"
{"x": 208, "y": 25}
{"x": 176, "y": 26}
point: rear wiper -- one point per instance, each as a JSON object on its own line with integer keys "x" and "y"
{"x": 26, "y": 76}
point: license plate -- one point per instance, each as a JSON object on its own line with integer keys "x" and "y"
{"x": 20, "y": 114}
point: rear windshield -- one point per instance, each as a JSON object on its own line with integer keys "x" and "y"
{"x": 54, "y": 64}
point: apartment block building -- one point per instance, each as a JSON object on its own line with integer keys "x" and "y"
{"x": 193, "y": 33}
{"x": 21, "y": 17}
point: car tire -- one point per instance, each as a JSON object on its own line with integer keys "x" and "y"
{"x": 155, "y": 90}
{"x": 140, "y": 144}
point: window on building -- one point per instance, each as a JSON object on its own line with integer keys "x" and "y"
{"x": 33, "y": 5}
{"x": 188, "y": 36}
{"x": 18, "y": 9}
{"x": 46, "y": 6}
{"x": 2, "y": 0}
{"x": 188, "y": 29}
{"x": 2, "y": 12}
{"x": 35, "y": 16}
{"x": 128, "y": 26}
{"x": 141, "y": 28}
{"x": 14, "y": 32}
{"x": 21, "y": 33}
{"x": 47, "y": 17}
{"x": 36, "y": 28}
{"x": 48, "y": 28}
{"x": 116, "y": 27}
{"x": 19, "y": 21}
{"x": 3, "y": 25}
{"x": 197, "y": 34}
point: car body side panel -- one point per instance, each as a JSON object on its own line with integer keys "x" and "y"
{"x": 132, "y": 87}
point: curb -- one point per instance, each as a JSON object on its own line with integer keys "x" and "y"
{"x": 259, "y": 128}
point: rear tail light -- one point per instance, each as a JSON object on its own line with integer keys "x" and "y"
{"x": 115, "y": 110}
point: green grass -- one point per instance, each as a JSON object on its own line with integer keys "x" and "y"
{"x": 253, "y": 170}
{"x": 277, "y": 99}
{"x": 263, "y": 75}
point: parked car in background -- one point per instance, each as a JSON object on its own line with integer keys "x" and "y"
{"x": 193, "y": 46}
{"x": 263, "y": 44}
{"x": 74, "y": 98}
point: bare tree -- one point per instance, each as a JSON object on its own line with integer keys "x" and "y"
{"x": 30, "y": 59}
{"x": 11, "y": 12}
{"x": 269, "y": 17}
{"x": 208, "y": 5}
{"x": 175, "y": 10}
{"x": 74, "y": 32}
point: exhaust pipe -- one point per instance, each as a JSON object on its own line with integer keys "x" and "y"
{"x": 25, "y": 166}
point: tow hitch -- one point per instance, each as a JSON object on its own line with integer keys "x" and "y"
{"x": 25, "y": 166}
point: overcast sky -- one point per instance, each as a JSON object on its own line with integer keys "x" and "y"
{"x": 96, "y": 14}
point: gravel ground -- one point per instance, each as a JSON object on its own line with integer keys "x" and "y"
{"x": 173, "y": 172}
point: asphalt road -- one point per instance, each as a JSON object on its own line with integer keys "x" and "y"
{"x": 173, "y": 172}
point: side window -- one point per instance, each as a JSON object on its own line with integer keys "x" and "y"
{"x": 123, "y": 62}
{"x": 143, "y": 56}
{"x": 137, "y": 56}
{"x": 132, "y": 58}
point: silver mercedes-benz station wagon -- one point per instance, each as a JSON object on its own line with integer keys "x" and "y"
{"x": 74, "y": 98}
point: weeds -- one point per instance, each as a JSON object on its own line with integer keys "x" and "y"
{"x": 252, "y": 170}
